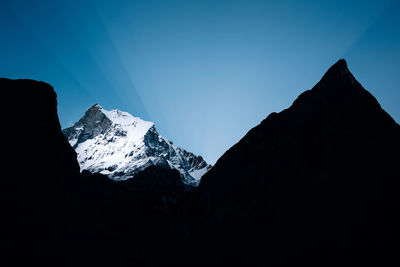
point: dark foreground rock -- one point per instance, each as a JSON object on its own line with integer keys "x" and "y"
{"x": 38, "y": 166}
{"x": 132, "y": 222}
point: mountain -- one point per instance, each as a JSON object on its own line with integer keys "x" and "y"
{"x": 119, "y": 145}
{"x": 316, "y": 183}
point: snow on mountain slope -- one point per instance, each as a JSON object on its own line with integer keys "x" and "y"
{"x": 119, "y": 145}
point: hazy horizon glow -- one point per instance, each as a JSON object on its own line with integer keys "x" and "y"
{"x": 205, "y": 72}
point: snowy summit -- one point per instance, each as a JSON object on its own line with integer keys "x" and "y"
{"x": 119, "y": 145}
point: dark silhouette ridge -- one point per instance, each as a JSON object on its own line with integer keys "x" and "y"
{"x": 39, "y": 165}
{"x": 314, "y": 184}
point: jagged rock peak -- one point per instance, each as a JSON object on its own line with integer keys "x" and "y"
{"x": 338, "y": 72}
{"x": 95, "y": 107}
{"x": 337, "y": 91}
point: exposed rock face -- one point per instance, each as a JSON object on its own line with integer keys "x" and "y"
{"x": 314, "y": 184}
{"x": 91, "y": 125}
{"x": 119, "y": 145}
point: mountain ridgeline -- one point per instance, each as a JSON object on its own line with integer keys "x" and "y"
{"x": 314, "y": 184}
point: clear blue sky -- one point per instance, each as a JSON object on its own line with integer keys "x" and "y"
{"x": 204, "y": 71}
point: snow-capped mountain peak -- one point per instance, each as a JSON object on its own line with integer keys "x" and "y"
{"x": 120, "y": 145}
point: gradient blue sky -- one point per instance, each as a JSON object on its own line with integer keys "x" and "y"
{"x": 204, "y": 71}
